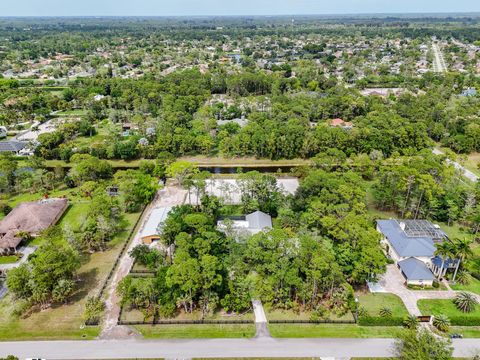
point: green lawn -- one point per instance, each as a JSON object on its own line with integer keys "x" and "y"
{"x": 474, "y": 286}
{"x": 11, "y": 259}
{"x": 472, "y": 163}
{"x": 466, "y": 331}
{"x": 331, "y": 330}
{"x": 444, "y": 307}
{"x": 279, "y": 314}
{"x": 196, "y": 331}
{"x": 372, "y": 303}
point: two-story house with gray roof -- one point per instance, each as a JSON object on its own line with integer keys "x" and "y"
{"x": 411, "y": 245}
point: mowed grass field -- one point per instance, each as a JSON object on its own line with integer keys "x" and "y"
{"x": 373, "y": 303}
{"x": 196, "y": 331}
{"x": 332, "y": 331}
{"x": 64, "y": 321}
{"x": 444, "y": 307}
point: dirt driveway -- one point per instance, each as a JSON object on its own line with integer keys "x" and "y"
{"x": 168, "y": 196}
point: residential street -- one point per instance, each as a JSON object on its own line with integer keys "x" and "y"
{"x": 438, "y": 60}
{"x": 259, "y": 347}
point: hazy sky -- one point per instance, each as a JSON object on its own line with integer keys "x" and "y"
{"x": 227, "y": 7}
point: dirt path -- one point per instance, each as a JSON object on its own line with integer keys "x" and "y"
{"x": 168, "y": 196}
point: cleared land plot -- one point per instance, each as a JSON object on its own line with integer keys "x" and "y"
{"x": 331, "y": 331}
{"x": 137, "y": 315}
{"x": 279, "y": 314}
{"x": 228, "y": 189}
{"x": 196, "y": 331}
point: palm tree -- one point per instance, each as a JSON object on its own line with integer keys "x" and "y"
{"x": 385, "y": 312}
{"x": 461, "y": 250}
{"x": 410, "y": 322}
{"x": 441, "y": 322}
{"x": 443, "y": 250}
{"x": 465, "y": 302}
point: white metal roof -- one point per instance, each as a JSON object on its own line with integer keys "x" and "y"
{"x": 155, "y": 221}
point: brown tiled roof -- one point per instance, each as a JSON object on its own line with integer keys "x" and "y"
{"x": 31, "y": 217}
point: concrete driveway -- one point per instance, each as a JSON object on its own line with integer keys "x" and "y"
{"x": 393, "y": 282}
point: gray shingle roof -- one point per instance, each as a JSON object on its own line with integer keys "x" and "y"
{"x": 415, "y": 269}
{"x": 405, "y": 245}
{"x": 259, "y": 220}
{"x": 11, "y": 146}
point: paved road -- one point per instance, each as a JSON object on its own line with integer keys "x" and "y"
{"x": 261, "y": 347}
{"x": 438, "y": 60}
{"x": 467, "y": 173}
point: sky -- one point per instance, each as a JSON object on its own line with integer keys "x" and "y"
{"x": 227, "y": 7}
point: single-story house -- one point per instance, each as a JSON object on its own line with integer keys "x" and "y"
{"x": 411, "y": 245}
{"x": 31, "y": 218}
{"x": 341, "y": 123}
{"x": 12, "y": 146}
{"x": 153, "y": 227}
{"x": 250, "y": 224}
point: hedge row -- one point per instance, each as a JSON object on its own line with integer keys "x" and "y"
{"x": 380, "y": 321}
{"x": 465, "y": 321}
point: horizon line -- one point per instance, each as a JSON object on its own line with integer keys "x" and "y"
{"x": 438, "y": 13}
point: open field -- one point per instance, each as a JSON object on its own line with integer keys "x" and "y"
{"x": 444, "y": 307}
{"x": 196, "y": 331}
{"x": 331, "y": 330}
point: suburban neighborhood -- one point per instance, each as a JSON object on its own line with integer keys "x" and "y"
{"x": 240, "y": 187}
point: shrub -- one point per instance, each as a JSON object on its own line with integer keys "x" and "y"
{"x": 436, "y": 284}
{"x": 465, "y": 302}
{"x": 5, "y": 208}
{"x": 410, "y": 322}
{"x": 465, "y": 320}
{"x": 93, "y": 310}
{"x": 380, "y": 321}
{"x": 464, "y": 278}
{"x": 362, "y": 311}
{"x": 319, "y": 313}
{"x": 385, "y": 312}
{"x": 441, "y": 322}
